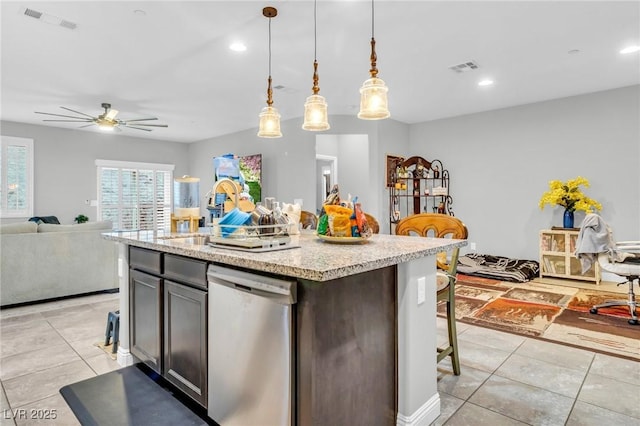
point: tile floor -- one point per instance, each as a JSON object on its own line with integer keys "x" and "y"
{"x": 46, "y": 346}
{"x": 506, "y": 379}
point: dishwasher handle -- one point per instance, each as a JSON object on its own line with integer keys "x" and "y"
{"x": 279, "y": 291}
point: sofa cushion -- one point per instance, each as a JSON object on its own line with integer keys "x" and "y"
{"x": 19, "y": 228}
{"x": 105, "y": 225}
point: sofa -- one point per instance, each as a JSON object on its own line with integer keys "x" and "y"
{"x": 46, "y": 261}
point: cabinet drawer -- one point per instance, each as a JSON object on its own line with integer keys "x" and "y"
{"x": 186, "y": 270}
{"x": 145, "y": 260}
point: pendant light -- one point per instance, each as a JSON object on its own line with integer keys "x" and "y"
{"x": 315, "y": 108}
{"x": 269, "y": 116}
{"x": 373, "y": 93}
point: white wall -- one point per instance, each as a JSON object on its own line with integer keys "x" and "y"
{"x": 501, "y": 161}
{"x": 64, "y": 164}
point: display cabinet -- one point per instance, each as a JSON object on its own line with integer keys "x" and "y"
{"x": 557, "y": 259}
{"x": 417, "y": 185}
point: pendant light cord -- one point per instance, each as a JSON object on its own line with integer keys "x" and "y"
{"x": 269, "y": 47}
{"x": 315, "y": 30}
{"x": 374, "y": 57}
{"x": 372, "y": 20}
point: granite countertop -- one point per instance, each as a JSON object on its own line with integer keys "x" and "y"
{"x": 315, "y": 260}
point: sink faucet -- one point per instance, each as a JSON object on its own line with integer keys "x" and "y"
{"x": 214, "y": 190}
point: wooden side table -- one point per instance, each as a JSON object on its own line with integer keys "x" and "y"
{"x": 557, "y": 259}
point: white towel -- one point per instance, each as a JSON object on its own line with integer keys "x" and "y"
{"x": 596, "y": 237}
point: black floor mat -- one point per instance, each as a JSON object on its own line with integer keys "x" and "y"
{"x": 130, "y": 396}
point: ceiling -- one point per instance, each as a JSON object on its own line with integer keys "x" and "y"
{"x": 171, "y": 59}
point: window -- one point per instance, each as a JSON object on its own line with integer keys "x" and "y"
{"x": 16, "y": 177}
{"x": 135, "y": 195}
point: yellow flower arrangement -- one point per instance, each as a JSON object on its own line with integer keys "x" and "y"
{"x": 569, "y": 196}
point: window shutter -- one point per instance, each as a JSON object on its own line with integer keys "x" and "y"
{"x": 134, "y": 196}
{"x": 16, "y": 177}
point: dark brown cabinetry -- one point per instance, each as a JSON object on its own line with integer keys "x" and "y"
{"x": 145, "y": 297}
{"x": 185, "y": 339}
{"x": 168, "y": 311}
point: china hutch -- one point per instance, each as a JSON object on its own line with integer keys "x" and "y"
{"x": 417, "y": 185}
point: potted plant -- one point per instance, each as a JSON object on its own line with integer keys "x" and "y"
{"x": 81, "y": 219}
{"x": 568, "y": 195}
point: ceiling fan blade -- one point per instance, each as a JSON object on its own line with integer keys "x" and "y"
{"x": 77, "y": 112}
{"x": 111, "y": 114}
{"x": 74, "y": 121}
{"x": 137, "y": 128}
{"x": 140, "y": 119}
{"x": 146, "y": 125}
{"x": 61, "y": 115}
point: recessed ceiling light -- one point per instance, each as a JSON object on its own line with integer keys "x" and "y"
{"x": 573, "y": 51}
{"x": 486, "y": 82}
{"x": 630, "y": 49}
{"x": 139, "y": 12}
{"x": 238, "y": 46}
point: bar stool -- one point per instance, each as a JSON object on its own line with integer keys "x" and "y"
{"x": 113, "y": 328}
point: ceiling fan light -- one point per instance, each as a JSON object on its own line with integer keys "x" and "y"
{"x": 269, "y": 123}
{"x": 373, "y": 100}
{"x": 316, "y": 117}
{"x": 106, "y": 127}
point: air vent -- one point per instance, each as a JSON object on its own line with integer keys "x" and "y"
{"x": 49, "y": 19}
{"x": 32, "y": 13}
{"x": 464, "y": 67}
{"x": 68, "y": 24}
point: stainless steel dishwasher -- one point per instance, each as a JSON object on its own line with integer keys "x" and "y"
{"x": 251, "y": 364}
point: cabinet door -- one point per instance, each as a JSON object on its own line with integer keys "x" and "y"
{"x": 185, "y": 337}
{"x": 146, "y": 318}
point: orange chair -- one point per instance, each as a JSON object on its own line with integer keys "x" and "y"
{"x": 308, "y": 220}
{"x": 441, "y": 226}
{"x": 373, "y": 223}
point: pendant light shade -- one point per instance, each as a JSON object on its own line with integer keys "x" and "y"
{"x": 373, "y": 93}
{"x": 316, "y": 116}
{"x": 269, "y": 123}
{"x": 269, "y": 126}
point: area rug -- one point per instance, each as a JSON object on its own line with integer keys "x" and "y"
{"x": 549, "y": 312}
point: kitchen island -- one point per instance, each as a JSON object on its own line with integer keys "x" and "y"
{"x": 364, "y": 328}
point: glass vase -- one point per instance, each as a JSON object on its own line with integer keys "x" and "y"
{"x": 567, "y": 219}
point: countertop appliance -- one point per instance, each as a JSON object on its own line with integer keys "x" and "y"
{"x": 251, "y": 378}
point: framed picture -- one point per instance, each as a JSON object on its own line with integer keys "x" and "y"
{"x": 391, "y": 161}
{"x": 245, "y": 169}
{"x": 251, "y": 170}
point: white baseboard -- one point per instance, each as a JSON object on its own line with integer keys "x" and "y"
{"x": 125, "y": 358}
{"x": 424, "y": 415}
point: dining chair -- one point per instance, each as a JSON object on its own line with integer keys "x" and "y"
{"x": 308, "y": 220}
{"x": 373, "y": 223}
{"x": 441, "y": 226}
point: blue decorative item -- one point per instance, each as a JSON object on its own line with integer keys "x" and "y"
{"x": 234, "y": 219}
{"x": 567, "y": 220}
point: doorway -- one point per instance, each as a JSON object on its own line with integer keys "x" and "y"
{"x": 326, "y": 177}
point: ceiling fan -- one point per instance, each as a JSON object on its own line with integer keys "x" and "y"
{"x": 105, "y": 121}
